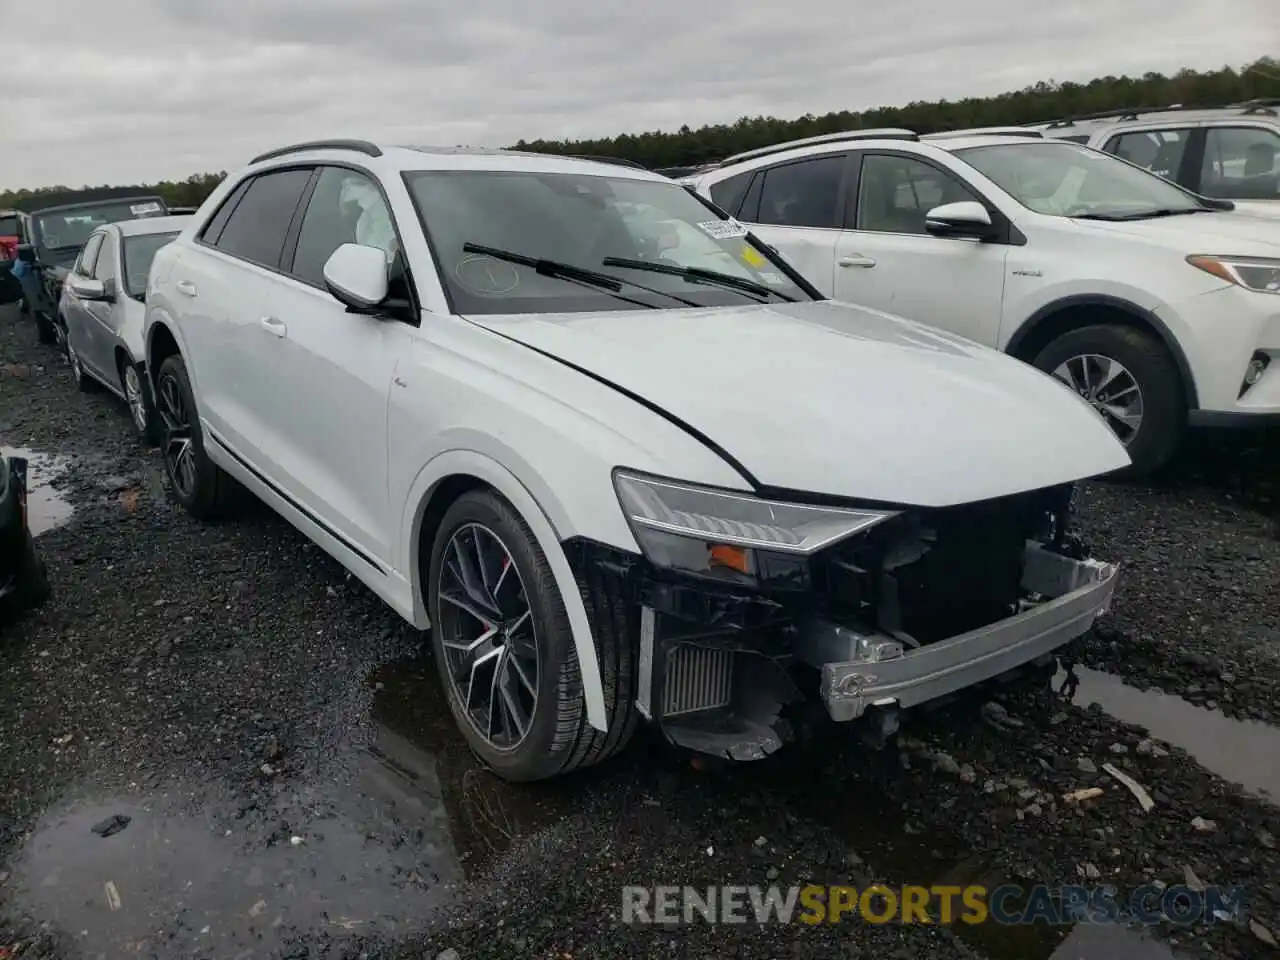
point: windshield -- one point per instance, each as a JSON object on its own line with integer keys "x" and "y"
{"x": 580, "y": 221}
{"x": 1068, "y": 180}
{"x": 138, "y": 253}
{"x": 69, "y": 229}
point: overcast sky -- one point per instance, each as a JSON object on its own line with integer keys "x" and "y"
{"x": 139, "y": 90}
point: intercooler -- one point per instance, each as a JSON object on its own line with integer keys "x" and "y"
{"x": 697, "y": 678}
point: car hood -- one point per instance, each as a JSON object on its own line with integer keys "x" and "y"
{"x": 1228, "y": 232}
{"x": 834, "y": 399}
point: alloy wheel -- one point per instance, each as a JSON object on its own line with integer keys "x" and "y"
{"x": 134, "y": 396}
{"x": 488, "y": 635}
{"x": 1109, "y": 388}
{"x": 73, "y": 358}
{"x": 179, "y": 456}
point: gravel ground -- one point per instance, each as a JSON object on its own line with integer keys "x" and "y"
{"x": 295, "y": 789}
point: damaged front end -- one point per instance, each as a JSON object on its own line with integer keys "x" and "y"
{"x": 750, "y": 605}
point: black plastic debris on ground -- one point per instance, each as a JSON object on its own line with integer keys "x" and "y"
{"x": 111, "y": 826}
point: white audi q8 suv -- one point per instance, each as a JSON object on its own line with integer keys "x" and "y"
{"x": 619, "y": 456}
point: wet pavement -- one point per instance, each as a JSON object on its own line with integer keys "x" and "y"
{"x": 1241, "y": 751}
{"x": 295, "y": 786}
{"x": 46, "y": 505}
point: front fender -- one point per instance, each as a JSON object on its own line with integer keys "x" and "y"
{"x": 470, "y": 463}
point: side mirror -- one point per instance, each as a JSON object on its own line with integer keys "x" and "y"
{"x": 26, "y": 253}
{"x": 87, "y": 289}
{"x": 966, "y": 218}
{"x": 357, "y": 275}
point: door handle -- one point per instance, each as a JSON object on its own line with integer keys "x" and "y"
{"x": 186, "y": 288}
{"x": 856, "y": 260}
{"x": 273, "y": 326}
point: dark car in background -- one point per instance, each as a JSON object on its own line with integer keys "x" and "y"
{"x": 54, "y": 228}
{"x": 23, "y": 581}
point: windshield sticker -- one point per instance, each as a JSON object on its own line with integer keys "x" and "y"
{"x": 142, "y": 209}
{"x": 723, "y": 229}
{"x": 753, "y": 257}
{"x": 772, "y": 278}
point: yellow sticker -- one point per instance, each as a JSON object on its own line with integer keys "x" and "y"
{"x": 752, "y": 256}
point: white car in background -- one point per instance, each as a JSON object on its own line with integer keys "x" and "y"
{"x": 101, "y": 310}
{"x": 1160, "y": 308}
{"x": 1232, "y": 153}
{"x": 623, "y": 461}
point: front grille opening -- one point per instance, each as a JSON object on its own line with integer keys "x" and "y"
{"x": 932, "y": 574}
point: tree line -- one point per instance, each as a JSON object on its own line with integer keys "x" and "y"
{"x": 1046, "y": 100}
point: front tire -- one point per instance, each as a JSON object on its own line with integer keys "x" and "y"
{"x": 32, "y": 587}
{"x": 1130, "y": 378}
{"x": 505, "y": 651}
{"x": 196, "y": 483}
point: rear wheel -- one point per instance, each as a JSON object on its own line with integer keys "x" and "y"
{"x": 505, "y": 650}
{"x": 84, "y": 382}
{"x": 1128, "y": 376}
{"x": 138, "y": 396}
{"x": 198, "y": 484}
{"x": 45, "y": 328}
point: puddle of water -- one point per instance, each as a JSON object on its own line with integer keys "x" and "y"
{"x": 46, "y": 506}
{"x": 1244, "y": 751}
{"x": 387, "y": 834}
{"x": 486, "y": 814}
{"x": 378, "y": 860}
{"x": 1095, "y": 941}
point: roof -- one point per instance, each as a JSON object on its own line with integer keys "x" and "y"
{"x": 989, "y": 140}
{"x": 49, "y": 201}
{"x": 394, "y": 158}
{"x": 151, "y": 225}
{"x": 1267, "y": 110}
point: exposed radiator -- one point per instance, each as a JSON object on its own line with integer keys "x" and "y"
{"x": 697, "y": 678}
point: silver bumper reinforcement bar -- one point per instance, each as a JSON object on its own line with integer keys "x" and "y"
{"x": 883, "y": 673}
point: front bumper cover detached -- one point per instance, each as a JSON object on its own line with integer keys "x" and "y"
{"x": 882, "y": 674}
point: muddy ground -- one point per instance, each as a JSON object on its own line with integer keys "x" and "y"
{"x": 294, "y": 787}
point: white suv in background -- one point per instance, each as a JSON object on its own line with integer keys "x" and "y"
{"x": 1159, "y": 307}
{"x": 1232, "y": 153}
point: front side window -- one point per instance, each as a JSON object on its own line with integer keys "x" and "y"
{"x": 1065, "y": 180}
{"x": 1241, "y": 163}
{"x": 802, "y": 194}
{"x": 89, "y": 256}
{"x": 137, "y": 254}
{"x": 256, "y": 228}
{"x": 643, "y": 242}
{"x": 69, "y": 229}
{"x": 1160, "y": 151}
{"x": 895, "y": 193}
{"x": 346, "y": 207}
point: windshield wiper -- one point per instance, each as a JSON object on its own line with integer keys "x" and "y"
{"x": 574, "y": 274}
{"x": 699, "y": 275}
{"x": 1143, "y": 214}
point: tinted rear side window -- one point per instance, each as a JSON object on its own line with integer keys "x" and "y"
{"x": 9, "y": 227}
{"x": 257, "y": 227}
{"x": 728, "y": 194}
{"x": 803, "y": 194}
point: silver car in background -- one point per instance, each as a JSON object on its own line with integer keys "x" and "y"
{"x": 102, "y": 312}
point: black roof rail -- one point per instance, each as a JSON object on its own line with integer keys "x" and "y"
{"x": 985, "y": 132}
{"x": 1257, "y": 102}
{"x": 888, "y": 133}
{"x": 359, "y": 146}
{"x": 1124, "y": 113}
{"x": 618, "y": 161}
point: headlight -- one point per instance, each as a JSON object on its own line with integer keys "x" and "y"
{"x": 1252, "y": 273}
{"x": 724, "y": 534}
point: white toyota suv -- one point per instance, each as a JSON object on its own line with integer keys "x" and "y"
{"x": 620, "y": 457}
{"x": 1158, "y": 306}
